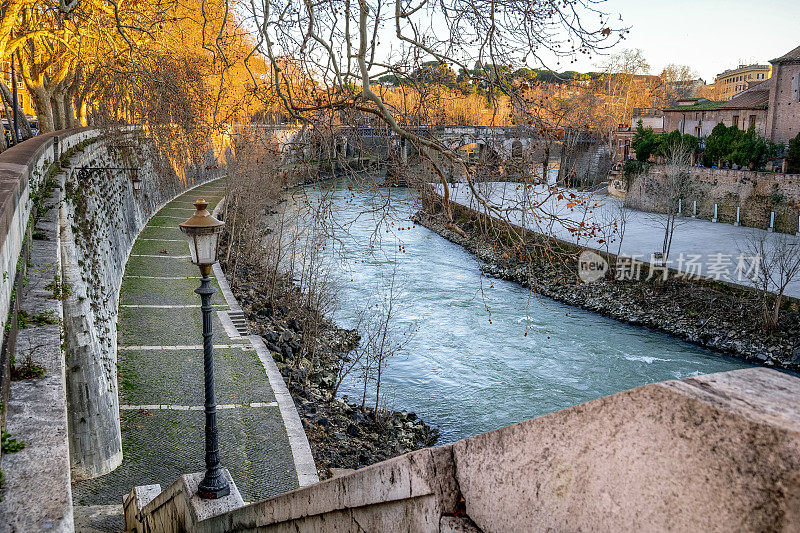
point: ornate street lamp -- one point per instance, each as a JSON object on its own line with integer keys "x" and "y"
{"x": 202, "y": 231}
{"x": 136, "y": 181}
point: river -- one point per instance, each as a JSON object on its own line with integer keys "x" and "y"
{"x": 480, "y": 353}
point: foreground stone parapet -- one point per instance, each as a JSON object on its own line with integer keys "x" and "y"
{"x": 177, "y": 506}
{"x": 719, "y": 452}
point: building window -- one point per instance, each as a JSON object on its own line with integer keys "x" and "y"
{"x": 736, "y": 120}
{"x": 796, "y": 87}
{"x": 752, "y": 121}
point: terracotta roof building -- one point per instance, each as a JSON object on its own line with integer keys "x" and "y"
{"x": 772, "y": 106}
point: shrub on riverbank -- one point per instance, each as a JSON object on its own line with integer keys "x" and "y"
{"x": 341, "y": 434}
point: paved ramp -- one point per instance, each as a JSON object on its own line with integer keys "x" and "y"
{"x": 160, "y": 380}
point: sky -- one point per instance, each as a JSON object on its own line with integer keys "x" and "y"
{"x": 708, "y": 35}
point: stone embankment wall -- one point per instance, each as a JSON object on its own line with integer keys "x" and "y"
{"x": 96, "y": 217}
{"x": 711, "y": 453}
{"x": 36, "y": 492}
{"x": 100, "y": 219}
{"x": 756, "y": 193}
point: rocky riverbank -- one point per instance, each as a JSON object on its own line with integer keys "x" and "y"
{"x": 309, "y": 352}
{"x": 699, "y": 314}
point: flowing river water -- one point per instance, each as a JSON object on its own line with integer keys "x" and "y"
{"x": 480, "y": 353}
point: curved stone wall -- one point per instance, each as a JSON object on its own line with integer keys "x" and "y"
{"x": 100, "y": 219}
{"x": 68, "y": 418}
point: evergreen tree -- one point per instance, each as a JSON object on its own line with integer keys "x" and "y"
{"x": 752, "y": 151}
{"x": 644, "y": 143}
{"x": 793, "y": 154}
{"x": 716, "y": 145}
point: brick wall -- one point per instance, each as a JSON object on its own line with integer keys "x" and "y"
{"x": 784, "y": 119}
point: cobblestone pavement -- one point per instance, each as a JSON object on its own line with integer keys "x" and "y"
{"x": 161, "y": 377}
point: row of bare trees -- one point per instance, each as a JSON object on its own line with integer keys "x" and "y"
{"x": 185, "y": 69}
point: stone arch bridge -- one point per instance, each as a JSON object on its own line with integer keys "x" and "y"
{"x": 503, "y": 142}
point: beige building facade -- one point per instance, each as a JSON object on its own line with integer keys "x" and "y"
{"x": 732, "y": 82}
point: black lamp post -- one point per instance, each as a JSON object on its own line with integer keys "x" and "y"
{"x": 202, "y": 230}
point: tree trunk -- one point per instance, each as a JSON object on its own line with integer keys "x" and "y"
{"x": 44, "y": 111}
{"x": 57, "y": 105}
{"x": 24, "y": 125}
{"x": 7, "y": 110}
{"x": 546, "y": 162}
{"x": 69, "y": 112}
{"x": 75, "y": 82}
{"x": 776, "y": 310}
{"x": 3, "y": 145}
{"x": 81, "y": 109}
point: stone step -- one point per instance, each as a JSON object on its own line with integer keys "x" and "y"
{"x": 239, "y": 322}
{"x": 98, "y": 518}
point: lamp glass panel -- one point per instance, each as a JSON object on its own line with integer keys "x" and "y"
{"x": 190, "y": 238}
{"x": 204, "y": 250}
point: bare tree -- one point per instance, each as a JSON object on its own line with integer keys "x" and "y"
{"x": 610, "y": 232}
{"x": 346, "y": 47}
{"x": 626, "y": 85}
{"x": 381, "y": 339}
{"x": 664, "y": 192}
{"x": 774, "y": 263}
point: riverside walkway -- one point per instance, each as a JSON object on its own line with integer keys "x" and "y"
{"x": 699, "y": 247}
{"x": 160, "y": 379}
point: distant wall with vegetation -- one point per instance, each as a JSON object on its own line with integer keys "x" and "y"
{"x": 757, "y": 193}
